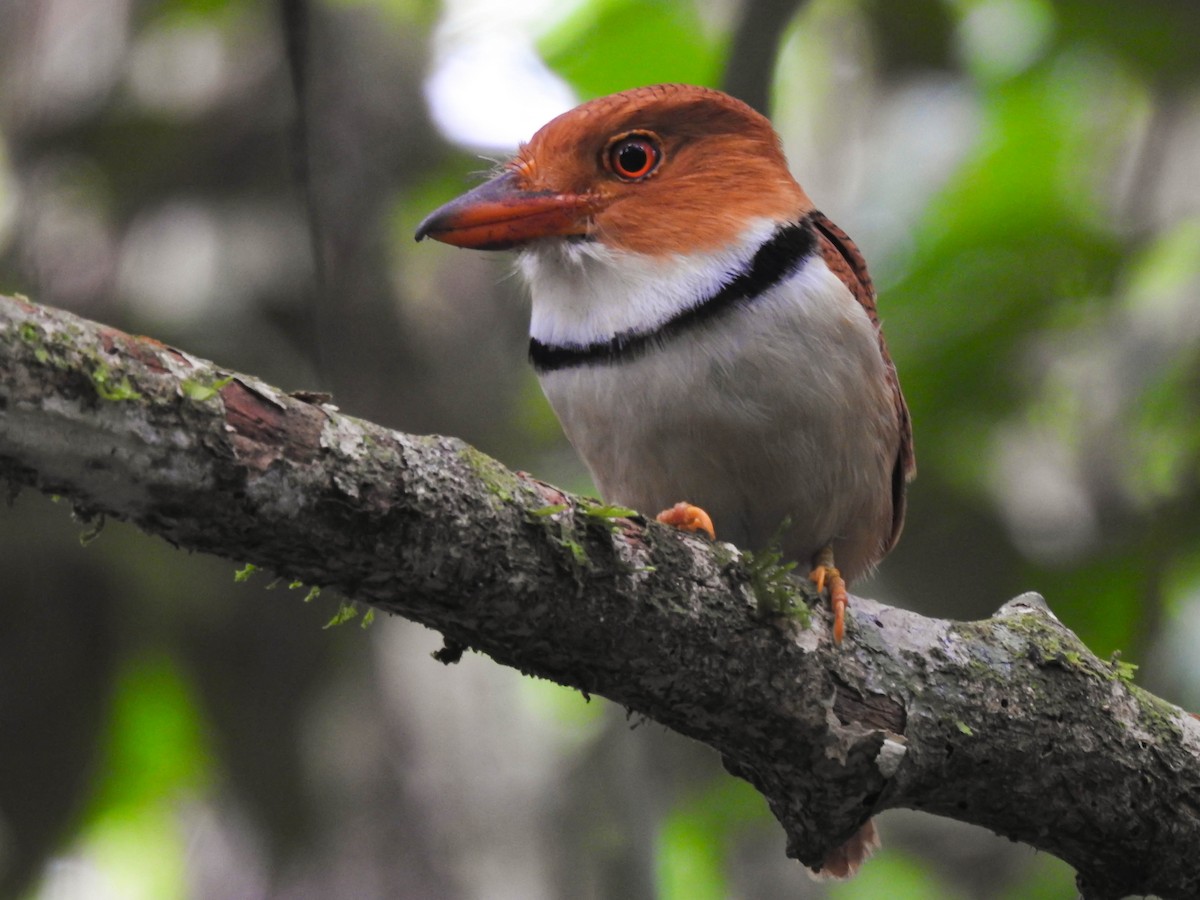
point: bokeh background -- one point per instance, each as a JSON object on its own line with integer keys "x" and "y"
{"x": 1022, "y": 175}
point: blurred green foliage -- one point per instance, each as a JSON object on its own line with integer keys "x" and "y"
{"x": 609, "y": 45}
{"x": 698, "y": 835}
{"x": 894, "y": 876}
{"x": 155, "y": 760}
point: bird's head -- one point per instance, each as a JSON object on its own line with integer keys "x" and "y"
{"x": 657, "y": 171}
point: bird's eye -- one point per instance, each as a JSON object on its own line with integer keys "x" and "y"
{"x": 634, "y": 157}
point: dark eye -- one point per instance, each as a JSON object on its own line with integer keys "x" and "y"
{"x": 633, "y": 158}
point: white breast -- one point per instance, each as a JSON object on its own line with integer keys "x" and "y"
{"x": 585, "y": 292}
{"x": 778, "y": 409}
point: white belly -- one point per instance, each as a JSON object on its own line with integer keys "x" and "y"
{"x": 781, "y": 411}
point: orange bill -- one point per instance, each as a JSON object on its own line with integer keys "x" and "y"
{"x": 500, "y": 214}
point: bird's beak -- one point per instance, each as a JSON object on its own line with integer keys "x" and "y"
{"x": 499, "y": 214}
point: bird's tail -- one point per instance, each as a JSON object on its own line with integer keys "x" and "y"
{"x": 843, "y": 861}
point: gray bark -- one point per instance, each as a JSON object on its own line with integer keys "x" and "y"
{"x": 1010, "y": 723}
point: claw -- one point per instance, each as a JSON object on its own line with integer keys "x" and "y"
{"x": 817, "y": 577}
{"x": 838, "y": 599}
{"x": 824, "y": 572}
{"x": 686, "y": 517}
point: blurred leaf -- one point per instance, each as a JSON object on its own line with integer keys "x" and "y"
{"x": 611, "y": 45}
{"x": 1166, "y": 440}
{"x": 580, "y": 718}
{"x": 914, "y": 35}
{"x": 896, "y": 876}
{"x": 155, "y": 759}
{"x": 1048, "y": 878}
{"x": 196, "y": 7}
{"x": 409, "y": 13}
{"x": 1183, "y": 581}
{"x": 696, "y": 835}
{"x": 155, "y": 741}
{"x": 1158, "y": 37}
{"x": 1165, "y": 433}
{"x": 1102, "y": 601}
{"x": 690, "y": 863}
{"x": 1007, "y": 247}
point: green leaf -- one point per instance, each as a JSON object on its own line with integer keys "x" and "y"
{"x": 895, "y": 876}
{"x": 108, "y": 389}
{"x": 698, "y": 836}
{"x": 155, "y": 759}
{"x": 346, "y": 612}
{"x": 244, "y": 573}
{"x": 1123, "y": 671}
{"x": 577, "y": 551}
{"x": 775, "y": 590}
{"x": 613, "y": 45}
{"x": 195, "y": 390}
{"x": 1156, "y": 39}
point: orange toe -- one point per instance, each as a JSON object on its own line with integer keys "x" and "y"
{"x": 838, "y": 599}
{"x": 686, "y": 517}
{"x": 824, "y": 573}
{"x": 817, "y": 576}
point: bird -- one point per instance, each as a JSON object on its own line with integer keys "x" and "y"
{"x": 708, "y": 339}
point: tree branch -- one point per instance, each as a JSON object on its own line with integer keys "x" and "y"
{"x": 755, "y": 47}
{"x": 1009, "y": 723}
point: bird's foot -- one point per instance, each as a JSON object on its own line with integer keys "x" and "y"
{"x": 686, "y": 517}
{"x": 824, "y": 572}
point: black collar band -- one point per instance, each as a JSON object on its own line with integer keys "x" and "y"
{"x": 776, "y": 260}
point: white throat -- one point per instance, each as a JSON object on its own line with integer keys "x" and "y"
{"x": 588, "y": 292}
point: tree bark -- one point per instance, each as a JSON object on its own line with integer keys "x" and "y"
{"x": 1010, "y": 723}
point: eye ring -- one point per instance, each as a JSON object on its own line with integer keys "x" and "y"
{"x": 633, "y": 156}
